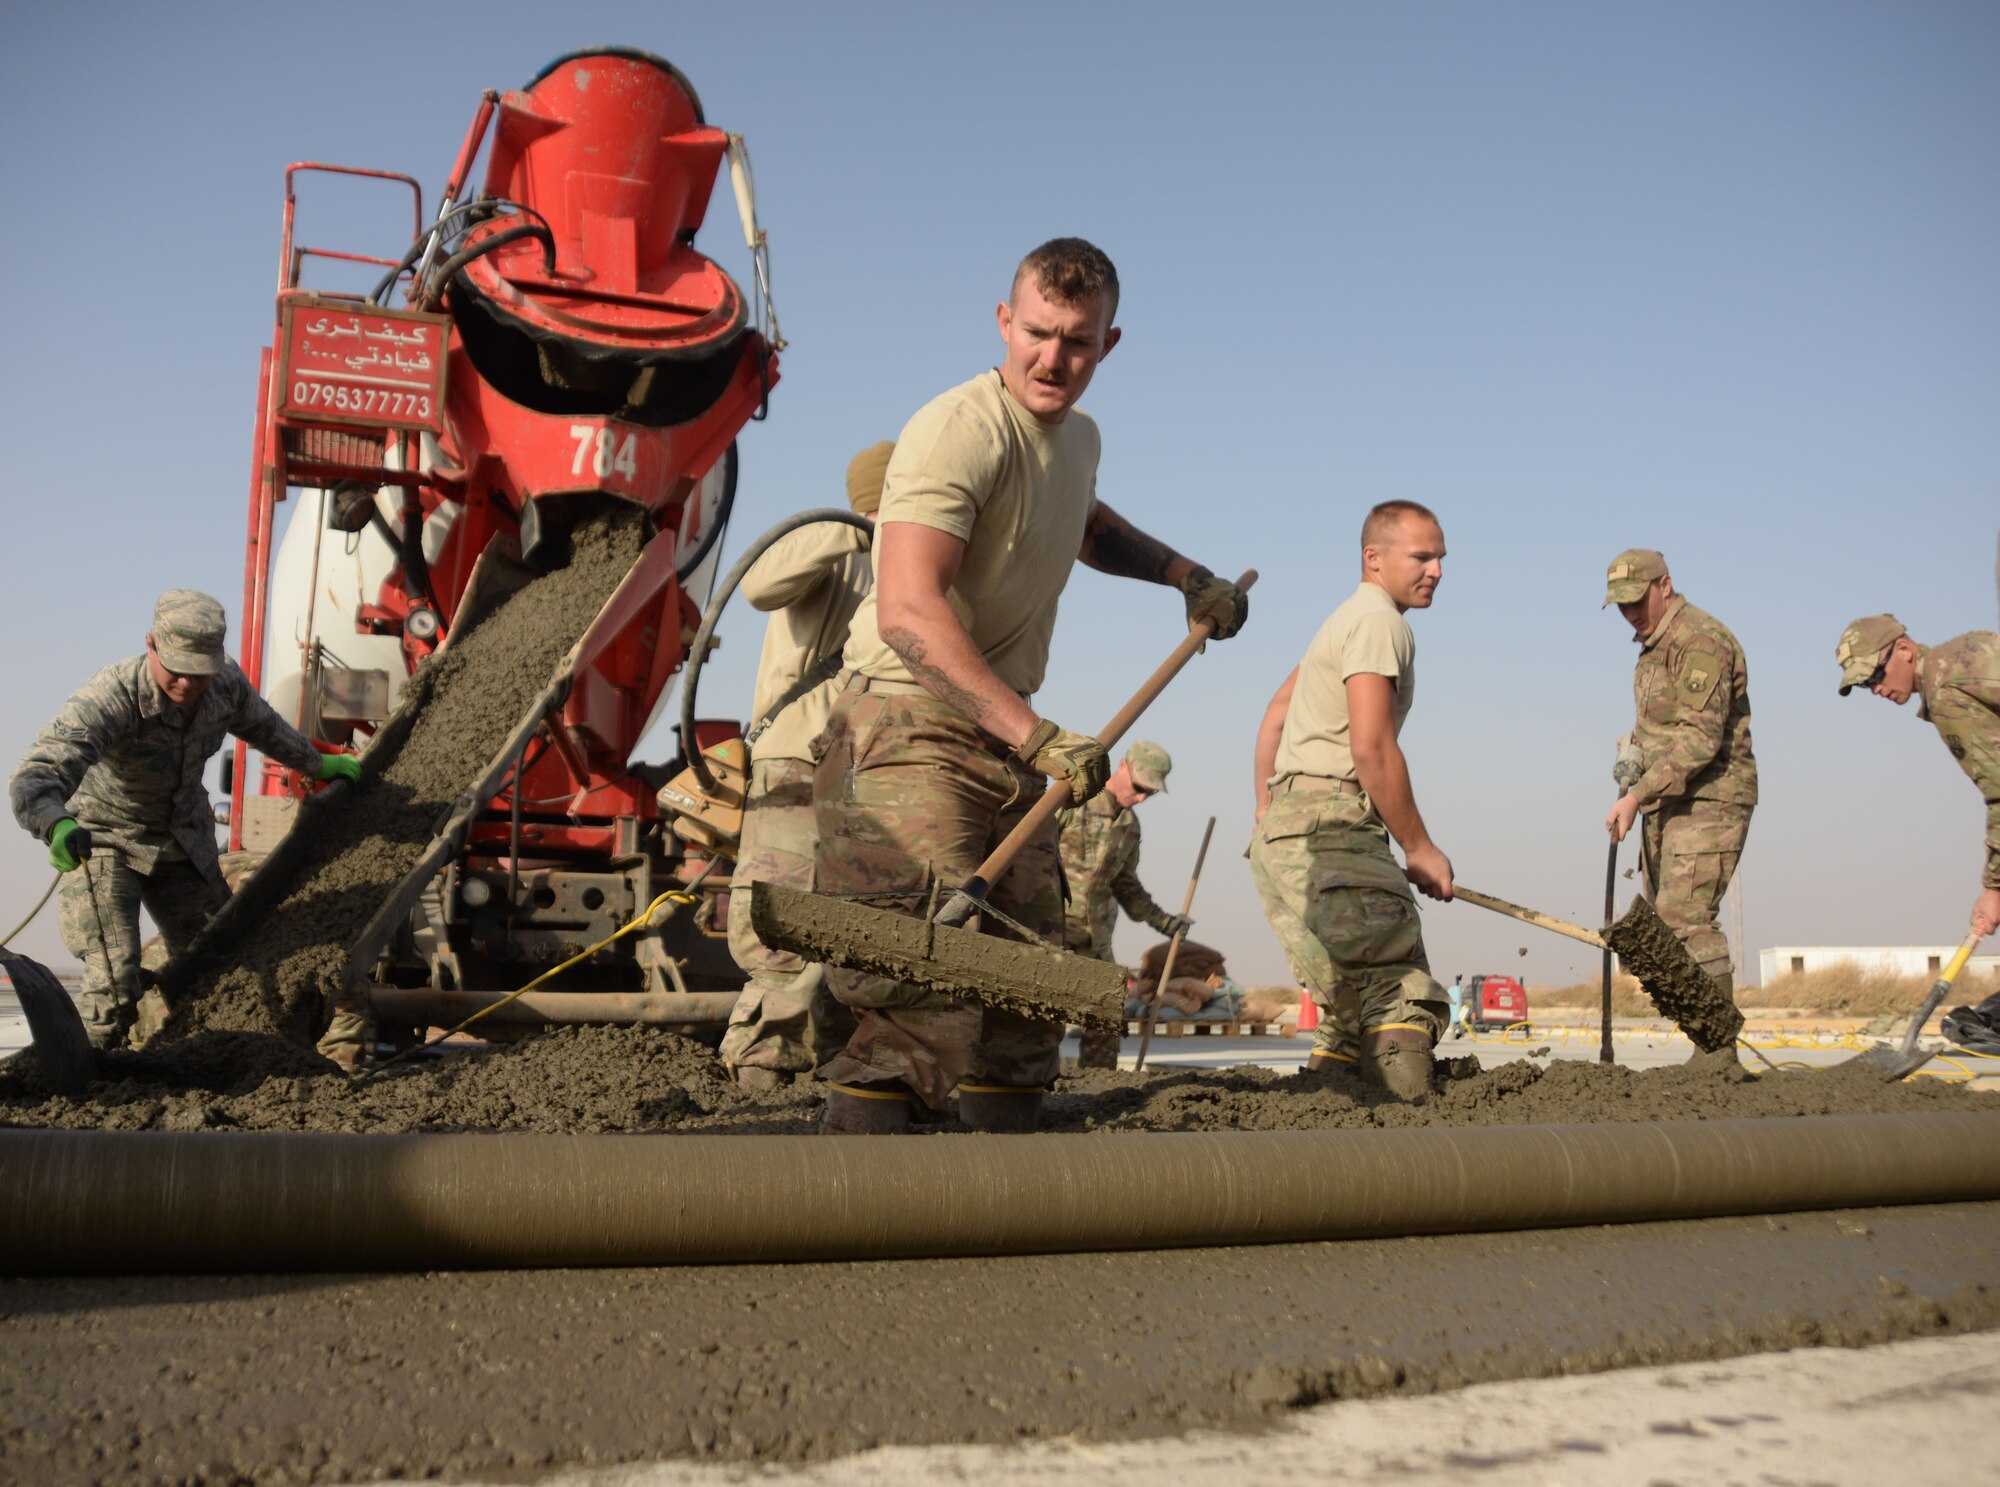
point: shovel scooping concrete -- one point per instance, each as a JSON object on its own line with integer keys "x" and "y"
{"x": 1899, "y": 1061}
{"x": 66, "y": 1061}
{"x": 934, "y": 951}
{"x": 1652, "y": 953}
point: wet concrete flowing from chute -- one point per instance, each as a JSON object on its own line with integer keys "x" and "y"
{"x": 261, "y": 1002}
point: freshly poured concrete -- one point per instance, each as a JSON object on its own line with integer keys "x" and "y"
{"x": 1900, "y": 1412}
{"x": 328, "y": 1379}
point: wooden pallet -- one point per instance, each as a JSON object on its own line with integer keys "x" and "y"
{"x": 1212, "y": 1029}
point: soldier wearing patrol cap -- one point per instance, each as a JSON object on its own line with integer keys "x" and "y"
{"x": 810, "y": 583}
{"x": 113, "y": 785}
{"x": 1100, "y": 859}
{"x": 1687, "y": 763}
{"x": 1959, "y": 684}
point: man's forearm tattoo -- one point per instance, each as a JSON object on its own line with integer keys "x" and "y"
{"x": 1119, "y": 548}
{"x": 910, "y": 646}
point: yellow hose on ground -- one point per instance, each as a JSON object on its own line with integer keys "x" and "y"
{"x": 675, "y": 896}
{"x": 34, "y": 911}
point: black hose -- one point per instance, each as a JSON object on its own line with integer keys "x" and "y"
{"x": 442, "y": 275}
{"x": 698, "y": 651}
{"x": 684, "y": 570}
{"x": 483, "y": 208}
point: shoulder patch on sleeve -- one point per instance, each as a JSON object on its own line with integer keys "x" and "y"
{"x": 1700, "y": 671}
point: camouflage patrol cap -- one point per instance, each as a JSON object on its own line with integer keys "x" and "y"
{"x": 1630, "y": 574}
{"x": 188, "y": 629}
{"x": 864, "y": 477}
{"x": 1150, "y": 765}
{"x": 1861, "y": 647}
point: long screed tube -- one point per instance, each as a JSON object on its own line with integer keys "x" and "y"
{"x": 72, "y": 1202}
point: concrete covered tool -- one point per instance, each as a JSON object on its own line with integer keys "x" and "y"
{"x": 1653, "y": 954}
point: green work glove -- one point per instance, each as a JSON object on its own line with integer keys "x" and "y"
{"x": 340, "y": 767}
{"x": 1217, "y": 599}
{"x": 1173, "y": 924}
{"x": 69, "y": 845}
{"x": 1058, "y": 753}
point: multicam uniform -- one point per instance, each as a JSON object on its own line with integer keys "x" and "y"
{"x": 908, "y": 789}
{"x": 813, "y": 580}
{"x": 1959, "y": 682}
{"x": 1330, "y": 886}
{"x": 127, "y": 764}
{"x": 1099, "y": 845}
{"x": 1699, "y": 784}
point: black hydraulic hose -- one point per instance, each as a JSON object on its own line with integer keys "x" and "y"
{"x": 685, "y": 569}
{"x": 698, "y": 651}
{"x": 481, "y": 208}
{"x": 416, "y": 250}
{"x": 443, "y": 274}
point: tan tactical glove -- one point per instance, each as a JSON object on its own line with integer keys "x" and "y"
{"x": 1212, "y": 598}
{"x": 1171, "y": 924}
{"x": 1631, "y": 763}
{"x": 1058, "y": 753}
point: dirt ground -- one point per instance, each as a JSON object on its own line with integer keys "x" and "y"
{"x": 314, "y": 1379}
{"x": 634, "y": 1079}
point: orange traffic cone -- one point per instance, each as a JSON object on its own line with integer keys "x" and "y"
{"x": 1308, "y": 1012}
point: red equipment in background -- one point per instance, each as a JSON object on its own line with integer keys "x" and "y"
{"x": 560, "y": 340}
{"x": 1495, "y": 1002}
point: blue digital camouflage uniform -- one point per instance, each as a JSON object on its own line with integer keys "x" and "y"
{"x": 127, "y": 764}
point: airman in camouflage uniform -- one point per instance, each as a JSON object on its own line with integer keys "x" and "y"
{"x": 1696, "y": 779}
{"x": 933, "y": 753}
{"x": 1099, "y": 843}
{"x": 1333, "y": 787}
{"x": 811, "y": 581}
{"x": 1959, "y": 682}
{"x": 113, "y": 785}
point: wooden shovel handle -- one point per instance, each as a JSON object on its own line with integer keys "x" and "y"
{"x": 1173, "y": 948}
{"x": 1058, "y": 794}
{"x": 1527, "y": 916}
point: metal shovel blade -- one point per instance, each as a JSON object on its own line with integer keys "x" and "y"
{"x": 62, "y": 1049}
{"x": 1899, "y": 1061}
{"x": 1026, "y": 979}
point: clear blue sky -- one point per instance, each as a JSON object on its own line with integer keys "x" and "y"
{"x": 1715, "y": 278}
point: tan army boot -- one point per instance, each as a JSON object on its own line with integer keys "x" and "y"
{"x": 752, "y": 1077}
{"x": 1399, "y": 1060}
{"x": 1003, "y": 1109}
{"x": 866, "y": 1110}
{"x": 1319, "y": 1062}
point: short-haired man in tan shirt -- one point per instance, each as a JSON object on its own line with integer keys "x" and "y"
{"x": 933, "y": 752}
{"x": 1332, "y": 788}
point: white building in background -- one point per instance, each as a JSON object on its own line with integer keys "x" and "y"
{"x": 1893, "y": 960}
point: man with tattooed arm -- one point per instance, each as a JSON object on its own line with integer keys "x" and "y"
{"x": 933, "y": 752}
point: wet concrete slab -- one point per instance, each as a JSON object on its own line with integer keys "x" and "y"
{"x": 301, "y": 1379}
{"x": 1899, "y": 1412}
